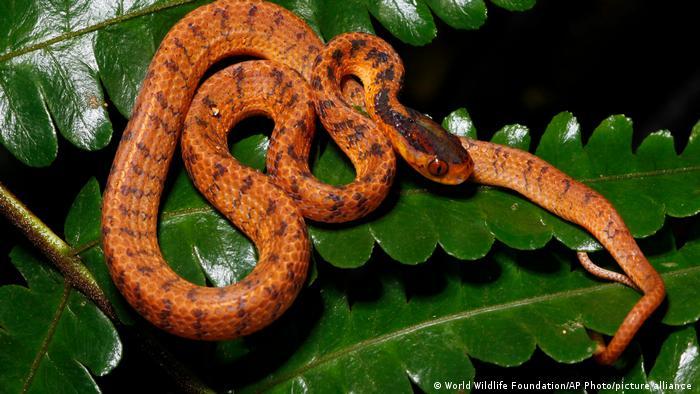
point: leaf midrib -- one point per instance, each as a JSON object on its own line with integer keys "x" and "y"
{"x": 44, "y": 348}
{"x": 604, "y": 178}
{"x": 600, "y": 179}
{"x": 89, "y": 29}
{"x": 362, "y": 345}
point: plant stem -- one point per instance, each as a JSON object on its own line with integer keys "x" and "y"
{"x": 55, "y": 249}
{"x": 78, "y": 276}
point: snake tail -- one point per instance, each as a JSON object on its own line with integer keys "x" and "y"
{"x": 550, "y": 188}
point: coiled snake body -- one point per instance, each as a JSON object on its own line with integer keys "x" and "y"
{"x": 300, "y": 78}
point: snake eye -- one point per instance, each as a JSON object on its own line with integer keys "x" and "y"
{"x": 438, "y": 167}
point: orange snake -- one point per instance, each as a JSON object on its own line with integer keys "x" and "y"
{"x": 300, "y": 78}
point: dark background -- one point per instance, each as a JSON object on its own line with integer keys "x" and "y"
{"x": 593, "y": 58}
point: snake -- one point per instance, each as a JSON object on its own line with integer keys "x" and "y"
{"x": 351, "y": 83}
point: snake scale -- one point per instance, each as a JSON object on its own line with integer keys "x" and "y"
{"x": 299, "y": 78}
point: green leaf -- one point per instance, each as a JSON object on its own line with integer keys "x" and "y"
{"x": 123, "y": 50}
{"x": 202, "y": 246}
{"x": 198, "y": 242}
{"x": 50, "y": 335}
{"x": 460, "y": 14}
{"x": 465, "y": 222}
{"x": 515, "y": 5}
{"x": 55, "y": 57}
{"x": 410, "y": 20}
{"x": 425, "y": 324}
{"x": 48, "y": 66}
{"x": 82, "y": 232}
{"x": 675, "y": 370}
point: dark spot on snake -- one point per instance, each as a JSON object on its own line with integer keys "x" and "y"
{"x": 356, "y": 45}
{"x": 331, "y": 74}
{"x": 401, "y": 123}
{"x": 127, "y": 231}
{"x": 527, "y": 172}
{"x": 247, "y": 184}
{"x": 277, "y": 75}
{"x": 137, "y": 291}
{"x": 192, "y": 294}
{"x": 282, "y": 229}
{"x": 609, "y": 230}
{"x": 272, "y": 291}
{"x": 388, "y": 177}
{"x": 278, "y": 159}
{"x": 376, "y": 149}
{"x": 145, "y": 270}
{"x": 143, "y": 148}
{"x": 362, "y": 202}
{"x": 567, "y": 186}
{"x": 171, "y": 65}
{"x": 121, "y": 277}
{"x": 337, "y": 55}
{"x": 343, "y": 125}
{"x": 160, "y": 98}
{"x": 198, "y": 315}
{"x": 273, "y": 258}
{"x": 271, "y": 206}
{"x": 253, "y": 10}
{"x": 137, "y": 169}
{"x": 323, "y": 105}
{"x": 293, "y": 100}
{"x": 223, "y": 12}
{"x": 377, "y": 57}
{"x": 294, "y": 189}
{"x": 182, "y": 47}
{"x": 292, "y": 153}
{"x": 386, "y": 75}
{"x": 301, "y": 125}
{"x": 220, "y": 170}
{"x": 165, "y": 312}
{"x": 543, "y": 171}
{"x": 201, "y": 122}
{"x": 241, "y": 313}
{"x": 316, "y": 83}
{"x": 168, "y": 284}
{"x": 197, "y": 31}
{"x": 126, "y": 212}
{"x": 587, "y": 196}
{"x": 278, "y": 18}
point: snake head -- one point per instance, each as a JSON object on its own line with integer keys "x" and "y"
{"x": 424, "y": 144}
{"x": 432, "y": 151}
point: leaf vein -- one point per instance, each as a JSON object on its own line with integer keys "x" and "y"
{"x": 44, "y": 348}
{"x": 89, "y": 29}
{"x": 447, "y": 319}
